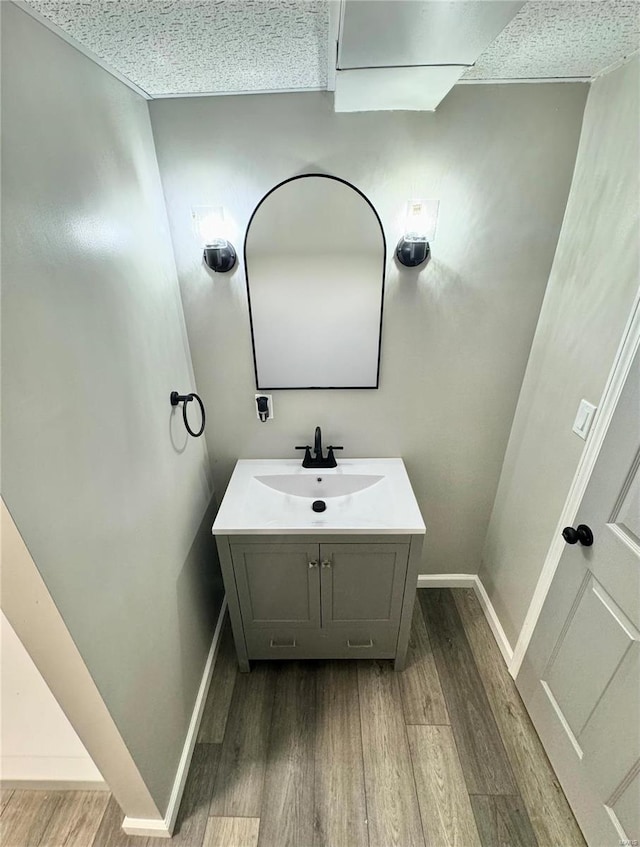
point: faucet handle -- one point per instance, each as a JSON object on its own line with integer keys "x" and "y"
{"x": 331, "y": 459}
{"x": 307, "y": 461}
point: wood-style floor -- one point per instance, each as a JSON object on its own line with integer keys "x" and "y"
{"x": 347, "y": 754}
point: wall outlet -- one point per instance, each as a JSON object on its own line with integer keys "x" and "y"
{"x": 264, "y": 407}
{"x": 584, "y": 419}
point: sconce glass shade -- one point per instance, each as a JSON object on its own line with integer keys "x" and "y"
{"x": 212, "y": 230}
{"x": 221, "y": 256}
{"x": 412, "y": 253}
{"x": 419, "y": 229}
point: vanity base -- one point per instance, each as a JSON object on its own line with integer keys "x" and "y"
{"x": 320, "y": 596}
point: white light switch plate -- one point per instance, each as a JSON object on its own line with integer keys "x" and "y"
{"x": 584, "y": 418}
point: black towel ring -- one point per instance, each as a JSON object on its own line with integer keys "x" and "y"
{"x": 184, "y": 399}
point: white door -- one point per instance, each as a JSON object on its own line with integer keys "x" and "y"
{"x": 580, "y": 678}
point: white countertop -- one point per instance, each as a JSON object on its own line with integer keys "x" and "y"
{"x": 387, "y": 506}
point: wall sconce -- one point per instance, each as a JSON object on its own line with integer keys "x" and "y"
{"x": 419, "y": 229}
{"x": 212, "y": 229}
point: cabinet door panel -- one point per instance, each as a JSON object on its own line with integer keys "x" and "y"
{"x": 362, "y": 582}
{"x": 276, "y": 584}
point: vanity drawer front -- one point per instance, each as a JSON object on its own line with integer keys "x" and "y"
{"x": 280, "y": 643}
{"x": 376, "y": 641}
{"x": 367, "y": 641}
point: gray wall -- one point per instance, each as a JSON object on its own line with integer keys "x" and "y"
{"x": 456, "y": 335}
{"x": 99, "y": 477}
{"x": 593, "y": 281}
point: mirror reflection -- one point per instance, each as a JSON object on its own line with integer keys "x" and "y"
{"x": 315, "y": 256}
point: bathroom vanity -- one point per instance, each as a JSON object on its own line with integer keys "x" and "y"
{"x": 303, "y": 584}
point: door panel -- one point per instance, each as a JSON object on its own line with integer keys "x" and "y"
{"x": 613, "y": 762}
{"x": 626, "y": 807}
{"x": 278, "y": 583}
{"x": 362, "y": 583}
{"x": 587, "y": 654}
{"x": 580, "y": 678}
{"x": 626, "y": 514}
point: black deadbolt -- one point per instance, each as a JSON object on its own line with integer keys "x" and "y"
{"x": 318, "y": 505}
{"x": 582, "y": 534}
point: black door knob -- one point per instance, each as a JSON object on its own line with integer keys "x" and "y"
{"x": 582, "y": 534}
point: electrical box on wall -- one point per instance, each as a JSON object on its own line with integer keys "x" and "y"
{"x": 264, "y": 407}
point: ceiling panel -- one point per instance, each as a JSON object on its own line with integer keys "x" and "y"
{"x": 202, "y": 46}
{"x": 388, "y": 33}
{"x": 225, "y": 46}
{"x": 569, "y": 38}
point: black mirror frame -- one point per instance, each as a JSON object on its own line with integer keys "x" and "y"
{"x": 384, "y": 267}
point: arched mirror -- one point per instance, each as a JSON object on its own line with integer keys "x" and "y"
{"x": 315, "y": 257}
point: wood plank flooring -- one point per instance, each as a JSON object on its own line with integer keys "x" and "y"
{"x": 286, "y": 818}
{"x": 239, "y": 832}
{"x": 480, "y": 747}
{"x": 240, "y": 779}
{"x": 76, "y": 817}
{"x": 214, "y": 720}
{"x": 549, "y": 812}
{"x": 392, "y": 802}
{"x": 445, "y": 807}
{"x": 502, "y": 819}
{"x": 340, "y": 801}
{"x": 347, "y": 754}
{"x": 5, "y": 796}
{"x": 422, "y": 698}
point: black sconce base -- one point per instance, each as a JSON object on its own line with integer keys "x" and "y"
{"x": 412, "y": 253}
{"x": 220, "y": 259}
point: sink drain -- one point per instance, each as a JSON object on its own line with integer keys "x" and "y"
{"x": 318, "y": 505}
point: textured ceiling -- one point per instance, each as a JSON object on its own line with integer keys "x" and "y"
{"x": 218, "y": 46}
{"x": 202, "y": 46}
{"x": 570, "y": 38}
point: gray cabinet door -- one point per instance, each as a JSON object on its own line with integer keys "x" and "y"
{"x": 278, "y": 584}
{"x": 362, "y": 584}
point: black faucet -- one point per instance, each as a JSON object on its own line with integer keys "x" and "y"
{"x": 318, "y": 460}
{"x": 317, "y": 444}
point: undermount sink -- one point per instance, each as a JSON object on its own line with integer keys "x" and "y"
{"x": 319, "y": 486}
{"x": 362, "y": 496}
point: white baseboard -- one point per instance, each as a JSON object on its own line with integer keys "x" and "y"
{"x": 471, "y": 580}
{"x": 494, "y": 622}
{"x": 150, "y": 827}
{"x": 447, "y": 580}
{"x": 164, "y": 828}
{"x": 54, "y": 772}
{"x": 53, "y": 785}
